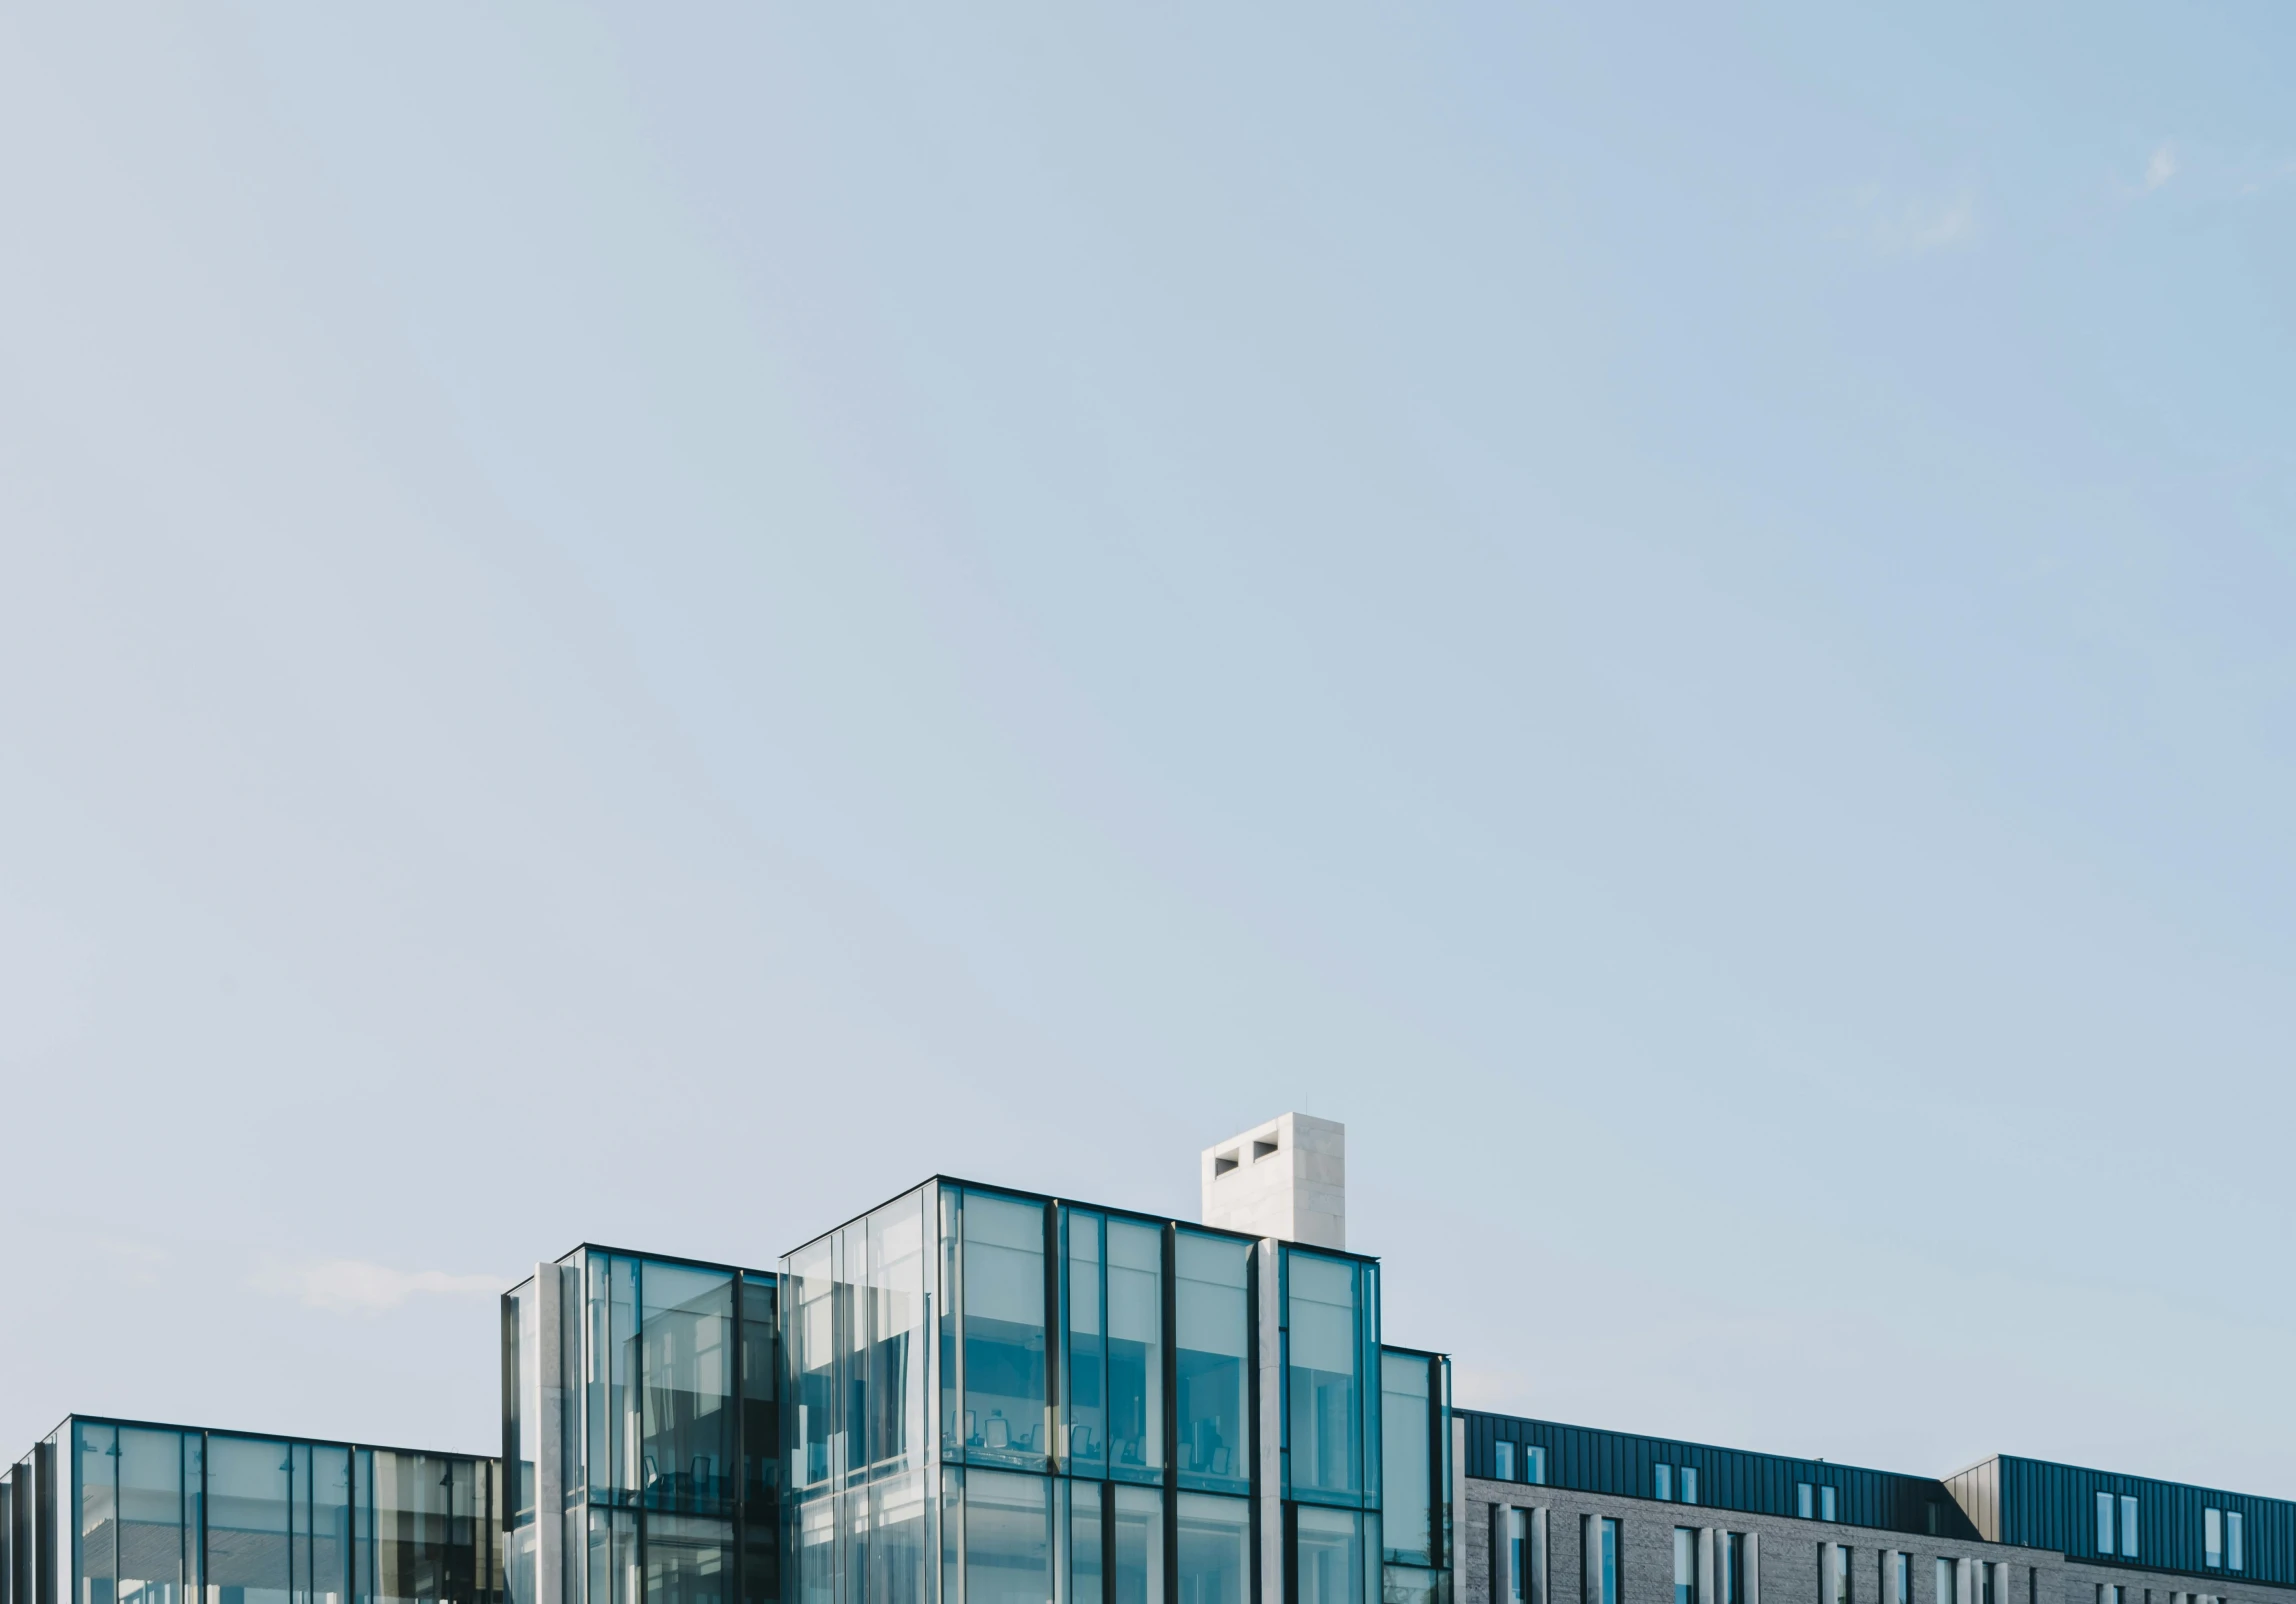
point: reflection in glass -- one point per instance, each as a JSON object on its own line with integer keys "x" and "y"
{"x": 808, "y": 1306}
{"x": 2104, "y": 1523}
{"x": 95, "y": 1536}
{"x": 1662, "y": 1482}
{"x": 1214, "y": 1549}
{"x": 688, "y": 1559}
{"x": 1008, "y": 1528}
{"x": 1948, "y": 1582}
{"x": 1825, "y": 1503}
{"x": 1138, "y": 1573}
{"x": 1502, "y": 1458}
{"x": 1211, "y": 1360}
{"x": 1689, "y": 1487}
{"x": 2235, "y": 1558}
{"x": 1685, "y": 1566}
{"x": 1330, "y": 1558}
{"x": 1730, "y": 1567}
{"x": 1407, "y": 1433}
{"x": 247, "y": 1520}
{"x": 1605, "y": 1575}
{"x": 897, "y": 1554}
{"x": 1321, "y": 1383}
{"x": 2212, "y": 1537}
{"x": 2128, "y": 1527}
{"x": 894, "y": 1306}
{"x": 1004, "y": 1330}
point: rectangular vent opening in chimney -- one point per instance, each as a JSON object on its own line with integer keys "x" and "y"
{"x": 1222, "y": 1163}
{"x": 1261, "y": 1150}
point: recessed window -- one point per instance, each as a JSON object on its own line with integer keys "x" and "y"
{"x": 2234, "y": 1557}
{"x": 1825, "y": 1503}
{"x": 1261, "y": 1150}
{"x": 1686, "y": 1482}
{"x": 1534, "y": 1464}
{"x": 1803, "y": 1500}
{"x": 2212, "y": 1538}
{"x": 1602, "y": 1564}
{"x": 2128, "y": 1527}
{"x": 1948, "y": 1582}
{"x": 1685, "y": 1565}
{"x": 1836, "y": 1588}
{"x": 1662, "y": 1482}
{"x": 1897, "y": 1578}
{"x": 1222, "y": 1163}
{"x": 2109, "y": 1594}
{"x": 2104, "y": 1523}
{"x": 1730, "y": 1567}
{"x": 1503, "y": 1461}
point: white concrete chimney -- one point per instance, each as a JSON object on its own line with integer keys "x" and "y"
{"x": 1286, "y": 1179}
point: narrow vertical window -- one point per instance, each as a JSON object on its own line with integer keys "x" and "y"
{"x": 2104, "y": 1523}
{"x": 1841, "y": 1593}
{"x": 1689, "y": 1481}
{"x": 1685, "y": 1565}
{"x": 2128, "y": 1527}
{"x": 2212, "y": 1539}
{"x": 1948, "y": 1582}
{"x": 1662, "y": 1482}
{"x": 1503, "y": 1461}
{"x": 1534, "y": 1464}
{"x": 1825, "y": 1503}
{"x": 1901, "y": 1579}
{"x": 2234, "y": 1558}
{"x": 1802, "y": 1499}
{"x": 1608, "y": 1579}
{"x": 1518, "y": 1555}
{"x": 1729, "y": 1569}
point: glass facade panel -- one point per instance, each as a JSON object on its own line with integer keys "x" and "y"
{"x": 1407, "y": 1446}
{"x": 95, "y": 1534}
{"x": 2128, "y": 1528}
{"x": 688, "y": 1559}
{"x": 1330, "y": 1557}
{"x": 2212, "y": 1538}
{"x": 1086, "y": 1532}
{"x": 1212, "y": 1360}
{"x": 1004, "y": 1331}
{"x": 1008, "y": 1530}
{"x": 2104, "y": 1523}
{"x": 1662, "y": 1482}
{"x": 1135, "y": 1349}
{"x": 1502, "y": 1458}
{"x": 1086, "y": 1376}
{"x": 894, "y": 1339}
{"x": 1688, "y": 1484}
{"x": 1322, "y": 1380}
{"x": 760, "y": 1445}
{"x": 1825, "y": 1503}
{"x": 809, "y": 1307}
{"x": 153, "y": 1553}
{"x": 2235, "y": 1555}
{"x": 898, "y": 1555}
{"x": 247, "y": 1520}
{"x": 686, "y": 1420}
{"x": 1136, "y": 1547}
{"x": 1214, "y": 1549}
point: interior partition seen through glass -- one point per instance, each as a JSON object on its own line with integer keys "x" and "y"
{"x": 1330, "y": 1560}
{"x": 1212, "y": 1361}
{"x": 1004, "y": 1344}
{"x": 1114, "y": 1374}
{"x": 1214, "y": 1549}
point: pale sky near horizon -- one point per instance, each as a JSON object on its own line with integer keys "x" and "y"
{"x": 648, "y": 624}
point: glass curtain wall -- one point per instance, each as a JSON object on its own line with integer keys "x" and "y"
{"x": 1331, "y": 1403}
{"x": 1212, "y": 1361}
{"x": 669, "y": 1434}
{"x": 1415, "y": 1477}
{"x": 168, "y": 1515}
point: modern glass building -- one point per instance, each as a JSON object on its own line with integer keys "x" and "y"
{"x": 978, "y": 1395}
{"x": 128, "y": 1512}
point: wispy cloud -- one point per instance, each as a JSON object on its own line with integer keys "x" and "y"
{"x": 2159, "y": 168}
{"x": 353, "y": 1286}
{"x": 1912, "y": 227}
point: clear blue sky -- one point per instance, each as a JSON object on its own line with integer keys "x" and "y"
{"x": 647, "y": 625}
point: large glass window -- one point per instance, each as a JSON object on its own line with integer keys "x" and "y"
{"x": 809, "y": 1314}
{"x": 1331, "y": 1563}
{"x": 686, "y": 1342}
{"x": 1214, "y": 1548}
{"x": 1212, "y": 1360}
{"x": 610, "y": 1376}
{"x": 1407, "y": 1436}
{"x": 1511, "y": 1554}
{"x": 419, "y": 1529}
{"x": 1004, "y": 1330}
{"x": 1326, "y": 1448}
{"x": 247, "y": 1520}
{"x": 1135, "y": 1348}
{"x": 1136, "y": 1546}
{"x": 155, "y": 1562}
{"x": 1685, "y": 1565}
{"x": 1008, "y": 1530}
